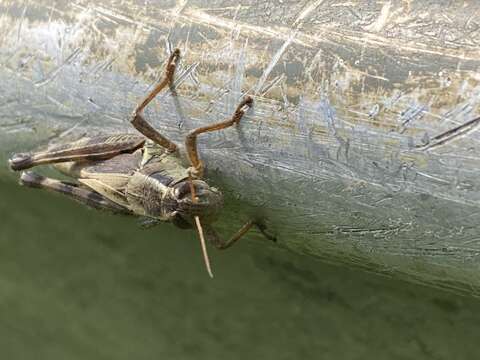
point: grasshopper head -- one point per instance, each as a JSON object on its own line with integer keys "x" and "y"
{"x": 207, "y": 205}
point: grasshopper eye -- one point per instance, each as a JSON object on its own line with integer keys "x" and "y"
{"x": 182, "y": 190}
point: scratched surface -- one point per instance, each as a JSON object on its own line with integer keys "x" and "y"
{"x": 362, "y": 145}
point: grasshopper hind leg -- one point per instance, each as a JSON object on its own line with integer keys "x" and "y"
{"x": 87, "y": 149}
{"x": 73, "y": 191}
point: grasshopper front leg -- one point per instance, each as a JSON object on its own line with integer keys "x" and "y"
{"x": 191, "y": 139}
{"x": 221, "y": 244}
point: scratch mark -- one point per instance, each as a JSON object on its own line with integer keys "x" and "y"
{"x": 373, "y": 112}
{"x": 50, "y": 15}
{"x": 451, "y": 134}
{"x": 217, "y": 96}
{"x": 238, "y": 64}
{"x": 378, "y": 24}
{"x": 272, "y": 84}
{"x": 114, "y": 118}
{"x": 179, "y": 111}
{"x": 374, "y": 40}
{"x": 329, "y": 116}
{"x": 384, "y": 199}
{"x": 188, "y": 71}
{"x": 107, "y": 64}
{"x": 462, "y": 110}
{"x": 180, "y": 79}
{"x": 412, "y": 113}
{"x": 200, "y": 17}
{"x": 286, "y": 103}
{"x": 314, "y": 62}
{"x": 472, "y": 241}
{"x": 52, "y": 74}
{"x": 72, "y": 128}
{"x": 435, "y": 179}
{"x": 239, "y": 71}
{"x": 340, "y": 229}
{"x": 235, "y": 32}
{"x": 57, "y": 103}
{"x": 277, "y": 165}
{"x": 115, "y": 16}
{"x": 101, "y": 68}
{"x": 305, "y": 12}
{"x": 180, "y": 6}
{"x": 95, "y": 28}
{"x": 273, "y": 62}
{"x": 106, "y": 18}
{"x": 20, "y": 24}
{"x": 176, "y": 11}
{"x": 341, "y": 63}
{"x": 205, "y": 38}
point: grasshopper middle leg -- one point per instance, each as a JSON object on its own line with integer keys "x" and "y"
{"x": 221, "y": 244}
{"x": 191, "y": 139}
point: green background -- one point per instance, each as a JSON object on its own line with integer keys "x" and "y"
{"x": 80, "y": 284}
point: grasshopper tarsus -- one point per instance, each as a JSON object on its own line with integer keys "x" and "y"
{"x": 31, "y": 179}
{"x": 263, "y": 229}
{"x": 19, "y": 161}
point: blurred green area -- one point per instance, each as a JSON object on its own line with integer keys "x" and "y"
{"x": 79, "y": 284}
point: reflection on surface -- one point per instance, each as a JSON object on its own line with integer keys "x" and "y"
{"x": 76, "y": 283}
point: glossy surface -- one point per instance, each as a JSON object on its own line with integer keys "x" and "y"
{"x": 362, "y": 147}
{"x": 76, "y": 284}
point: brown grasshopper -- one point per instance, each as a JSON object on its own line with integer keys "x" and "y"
{"x": 140, "y": 175}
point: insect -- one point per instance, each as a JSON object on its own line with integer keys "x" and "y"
{"x": 141, "y": 174}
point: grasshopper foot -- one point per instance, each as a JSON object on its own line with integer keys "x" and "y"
{"x": 31, "y": 179}
{"x": 263, "y": 229}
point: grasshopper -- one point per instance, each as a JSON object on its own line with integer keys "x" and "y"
{"x": 143, "y": 175}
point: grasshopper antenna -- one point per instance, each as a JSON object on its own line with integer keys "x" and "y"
{"x": 204, "y": 246}
{"x": 200, "y": 231}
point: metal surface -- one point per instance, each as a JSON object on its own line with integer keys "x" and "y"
{"x": 360, "y": 148}
{"x": 79, "y": 284}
